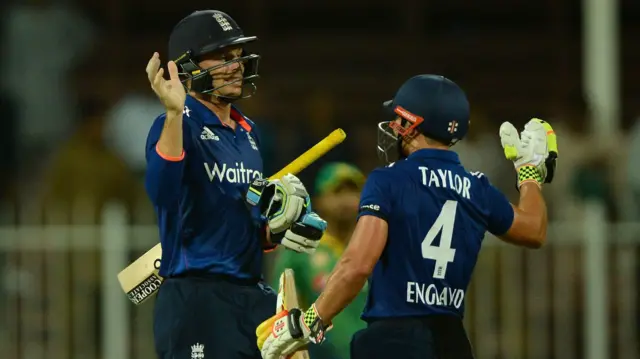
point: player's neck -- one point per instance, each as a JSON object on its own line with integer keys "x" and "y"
{"x": 220, "y": 108}
{"x": 423, "y": 143}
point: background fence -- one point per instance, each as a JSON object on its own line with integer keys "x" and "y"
{"x": 575, "y": 298}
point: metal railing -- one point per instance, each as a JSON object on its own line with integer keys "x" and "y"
{"x": 575, "y": 298}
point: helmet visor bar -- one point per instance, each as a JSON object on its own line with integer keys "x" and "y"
{"x": 250, "y": 73}
{"x": 388, "y": 139}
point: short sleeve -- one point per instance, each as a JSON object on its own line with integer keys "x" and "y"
{"x": 500, "y": 211}
{"x": 375, "y": 199}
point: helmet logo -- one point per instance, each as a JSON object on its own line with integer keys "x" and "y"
{"x": 453, "y": 127}
{"x": 224, "y": 23}
{"x": 414, "y": 121}
{"x": 406, "y": 114}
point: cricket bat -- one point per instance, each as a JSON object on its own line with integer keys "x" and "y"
{"x": 141, "y": 279}
{"x": 288, "y": 298}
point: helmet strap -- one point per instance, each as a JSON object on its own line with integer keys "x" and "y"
{"x": 401, "y": 155}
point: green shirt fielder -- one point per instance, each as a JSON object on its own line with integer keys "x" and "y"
{"x": 337, "y": 190}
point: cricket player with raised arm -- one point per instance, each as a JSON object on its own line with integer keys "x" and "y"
{"x": 203, "y": 155}
{"x": 337, "y": 193}
{"x": 420, "y": 227}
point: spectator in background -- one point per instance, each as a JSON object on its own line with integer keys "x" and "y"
{"x": 337, "y": 195}
{"x": 86, "y": 172}
{"x": 8, "y": 125}
{"x": 83, "y": 176}
{"x": 42, "y": 42}
{"x": 592, "y": 181}
{"x": 7, "y": 146}
{"x": 633, "y": 170}
{"x": 127, "y": 126}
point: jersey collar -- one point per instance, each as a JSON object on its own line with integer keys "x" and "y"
{"x": 210, "y": 118}
{"x": 428, "y": 153}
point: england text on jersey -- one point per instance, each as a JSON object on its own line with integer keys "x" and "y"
{"x": 429, "y": 294}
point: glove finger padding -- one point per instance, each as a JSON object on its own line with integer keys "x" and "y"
{"x": 304, "y": 235}
{"x": 510, "y": 141}
{"x": 536, "y": 137}
{"x": 289, "y": 331}
{"x": 282, "y": 334}
{"x": 552, "y": 146}
{"x": 286, "y": 204}
{"x": 264, "y": 329}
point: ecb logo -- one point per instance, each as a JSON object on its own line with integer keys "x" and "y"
{"x": 223, "y": 22}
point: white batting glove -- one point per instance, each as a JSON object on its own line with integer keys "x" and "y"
{"x": 282, "y": 201}
{"x": 528, "y": 151}
{"x": 289, "y": 331}
{"x": 304, "y": 235}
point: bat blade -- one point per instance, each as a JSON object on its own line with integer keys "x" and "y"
{"x": 288, "y": 298}
{"x": 141, "y": 280}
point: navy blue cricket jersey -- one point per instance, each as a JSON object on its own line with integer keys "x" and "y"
{"x": 205, "y": 224}
{"x": 437, "y": 214}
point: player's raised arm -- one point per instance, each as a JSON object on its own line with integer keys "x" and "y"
{"x": 534, "y": 165}
{"x": 165, "y": 143}
{"x": 529, "y": 226}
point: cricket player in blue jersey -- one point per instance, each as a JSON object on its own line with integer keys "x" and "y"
{"x": 216, "y": 213}
{"x": 420, "y": 227}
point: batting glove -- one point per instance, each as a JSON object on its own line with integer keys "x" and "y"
{"x": 289, "y": 331}
{"x": 282, "y": 201}
{"x": 552, "y": 145}
{"x": 528, "y": 151}
{"x": 304, "y": 235}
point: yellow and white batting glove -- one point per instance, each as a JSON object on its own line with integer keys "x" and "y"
{"x": 530, "y": 151}
{"x": 289, "y": 331}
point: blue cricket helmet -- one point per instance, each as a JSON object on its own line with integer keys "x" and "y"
{"x": 431, "y": 104}
{"x": 203, "y": 32}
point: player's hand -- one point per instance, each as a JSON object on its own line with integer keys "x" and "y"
{"x": 281, "y": 201}
{"x": 170, "y": 92}
{"x": 528, "y": 150}
{"x": 304, "y": 235}
{"x": 289, "y": 331}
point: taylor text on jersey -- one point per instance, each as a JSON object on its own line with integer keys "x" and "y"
{"x": 440, "y": 178}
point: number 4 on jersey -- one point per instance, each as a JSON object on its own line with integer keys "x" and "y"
{"x": 443, "y": 254}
